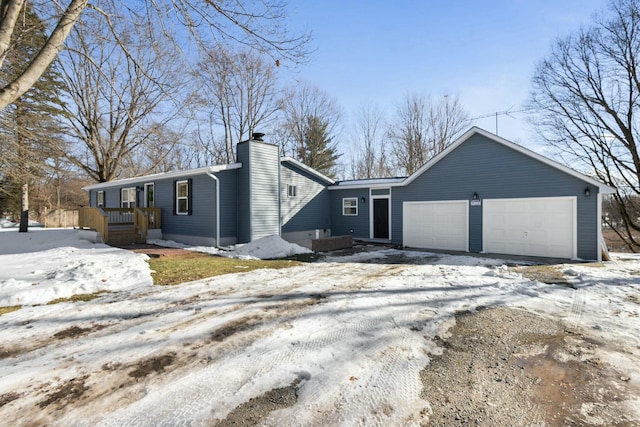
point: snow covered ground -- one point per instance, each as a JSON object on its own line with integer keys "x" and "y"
{"x": 351, "y": 332}
{"x": 269, "y": 247}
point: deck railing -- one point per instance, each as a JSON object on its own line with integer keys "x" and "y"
{"x": 100, "y": 219}
{"x": 96, "y": 219}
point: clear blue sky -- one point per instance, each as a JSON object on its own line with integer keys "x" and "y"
{"x": 375, "y": 52}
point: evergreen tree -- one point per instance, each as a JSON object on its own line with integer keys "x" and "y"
{"x": 316, "y": 150}
{"x": 28, "y": 126}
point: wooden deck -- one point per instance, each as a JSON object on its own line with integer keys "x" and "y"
{"x": 120, "y": 226}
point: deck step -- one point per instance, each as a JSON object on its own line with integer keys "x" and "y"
{"x": 124, "y": 237}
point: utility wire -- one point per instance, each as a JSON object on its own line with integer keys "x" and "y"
{"x": 508, "y": 112}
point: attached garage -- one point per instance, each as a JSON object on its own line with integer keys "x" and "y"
{"x": 436, "y": 225}
{"x": 530, "y": 226}
{"x": 482, "y": 194}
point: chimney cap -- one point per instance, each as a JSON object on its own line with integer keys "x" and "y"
{"x": 257, "y": 136}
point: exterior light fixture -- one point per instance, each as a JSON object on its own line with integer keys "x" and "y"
{"x": 587, "y": 192}
{"x": 362, "y": 199}
{"x": 475, "y": 196}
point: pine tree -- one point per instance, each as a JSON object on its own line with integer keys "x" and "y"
{"x": 316, "y": 150}
{"x": 29, "y": 124}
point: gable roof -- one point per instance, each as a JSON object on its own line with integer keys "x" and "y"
{"x": 603, "y": 188}
{"x": 163, "y": 175}
{"x": 307, "y": 169}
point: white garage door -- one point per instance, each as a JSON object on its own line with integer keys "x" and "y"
{"x": 436, "y": 225}
{"x": 537, "y": 226}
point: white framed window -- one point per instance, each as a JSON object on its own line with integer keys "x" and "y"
{"x": 350, "y": 206}
{"x": 100, "y": 199}
{"x": 292, "y": 190}
{"x": 182, "y": 197}
{"x": 128, "y": 197}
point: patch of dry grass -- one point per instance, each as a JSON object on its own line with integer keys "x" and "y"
{"x": 5, "y": 310}
{"x": 550, "y": 274}
{"x": 78, "y": 298}
{"x": 180, "y": 268}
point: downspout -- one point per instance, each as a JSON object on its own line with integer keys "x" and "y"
{"x": 215, "y": 178}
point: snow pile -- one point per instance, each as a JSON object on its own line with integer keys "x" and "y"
{"x": 267, "y": 248}
{"x": 62, "y": 266}
{"x": 38, "y": 239}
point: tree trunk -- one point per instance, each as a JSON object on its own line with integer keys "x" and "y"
{"x": 24, "y": 209}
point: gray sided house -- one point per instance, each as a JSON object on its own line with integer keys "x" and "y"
{"x": 260, "y": 195}
{"x": 482, "y": 194}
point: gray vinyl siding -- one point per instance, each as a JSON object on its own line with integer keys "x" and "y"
{"x": 258, "y": 198}
{"x": 341, "y": 225}
{"x": 202, "y": 220}
{"x": 265, "y": 195}
{"x": 228, "y": 203}
{"x": 310, "y": 208}
{"x": 495, "y": 171}
{"x": 244, "y": 194}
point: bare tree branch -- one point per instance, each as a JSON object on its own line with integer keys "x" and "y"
{"x": 587, "y": 91}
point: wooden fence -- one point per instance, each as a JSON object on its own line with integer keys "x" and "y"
{"x": 61, "y": 218}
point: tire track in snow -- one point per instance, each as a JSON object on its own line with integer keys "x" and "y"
{"x": 242, "y": 371}
{"x": 577, "y": 309}
{"x": 385, "y": 391}
{"x": 207, "y": 391}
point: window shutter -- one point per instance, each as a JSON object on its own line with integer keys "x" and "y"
{"x": 190, "y": 196}
{"x": 175, "y": 197}
{"x": 104, "y": 199}
{"x": 120, "y": 195}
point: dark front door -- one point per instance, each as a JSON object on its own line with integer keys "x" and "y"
{"x": 380, "y": 218}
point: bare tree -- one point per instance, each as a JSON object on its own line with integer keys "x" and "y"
{"x": 423, "y": 128}
{"x": 587, "y": 92}
{"x": 160, "y": 151}
{"x": 310, "y": 116}
{"x": 117, "y": 106}
{"x": 240, "y": 96}
{"x": 258, "y": 24}
{"x": 371, "y": 159}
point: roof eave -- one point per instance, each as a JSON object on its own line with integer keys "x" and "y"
{"x": 372, "y": 186}
{"x": 164, "y": 175}
{"x": 308, "y": 169}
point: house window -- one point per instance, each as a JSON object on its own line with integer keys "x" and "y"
{"x": 128, "y": 197}
{"x": 350, "y": 206}
{"x": 292, "y": 190}
{"x": 182, "y": 197}
{"x": 100, "y": 203}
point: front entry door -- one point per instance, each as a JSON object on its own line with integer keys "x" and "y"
{"x": 149, "y": 199}
{"x": 381, "y": 218}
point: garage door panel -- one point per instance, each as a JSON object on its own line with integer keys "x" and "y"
{"x": 535, "y": 226}
{"x": 436, "y": 225}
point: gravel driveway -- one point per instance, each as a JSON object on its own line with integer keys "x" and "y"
{"x": 376, "y": 338}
